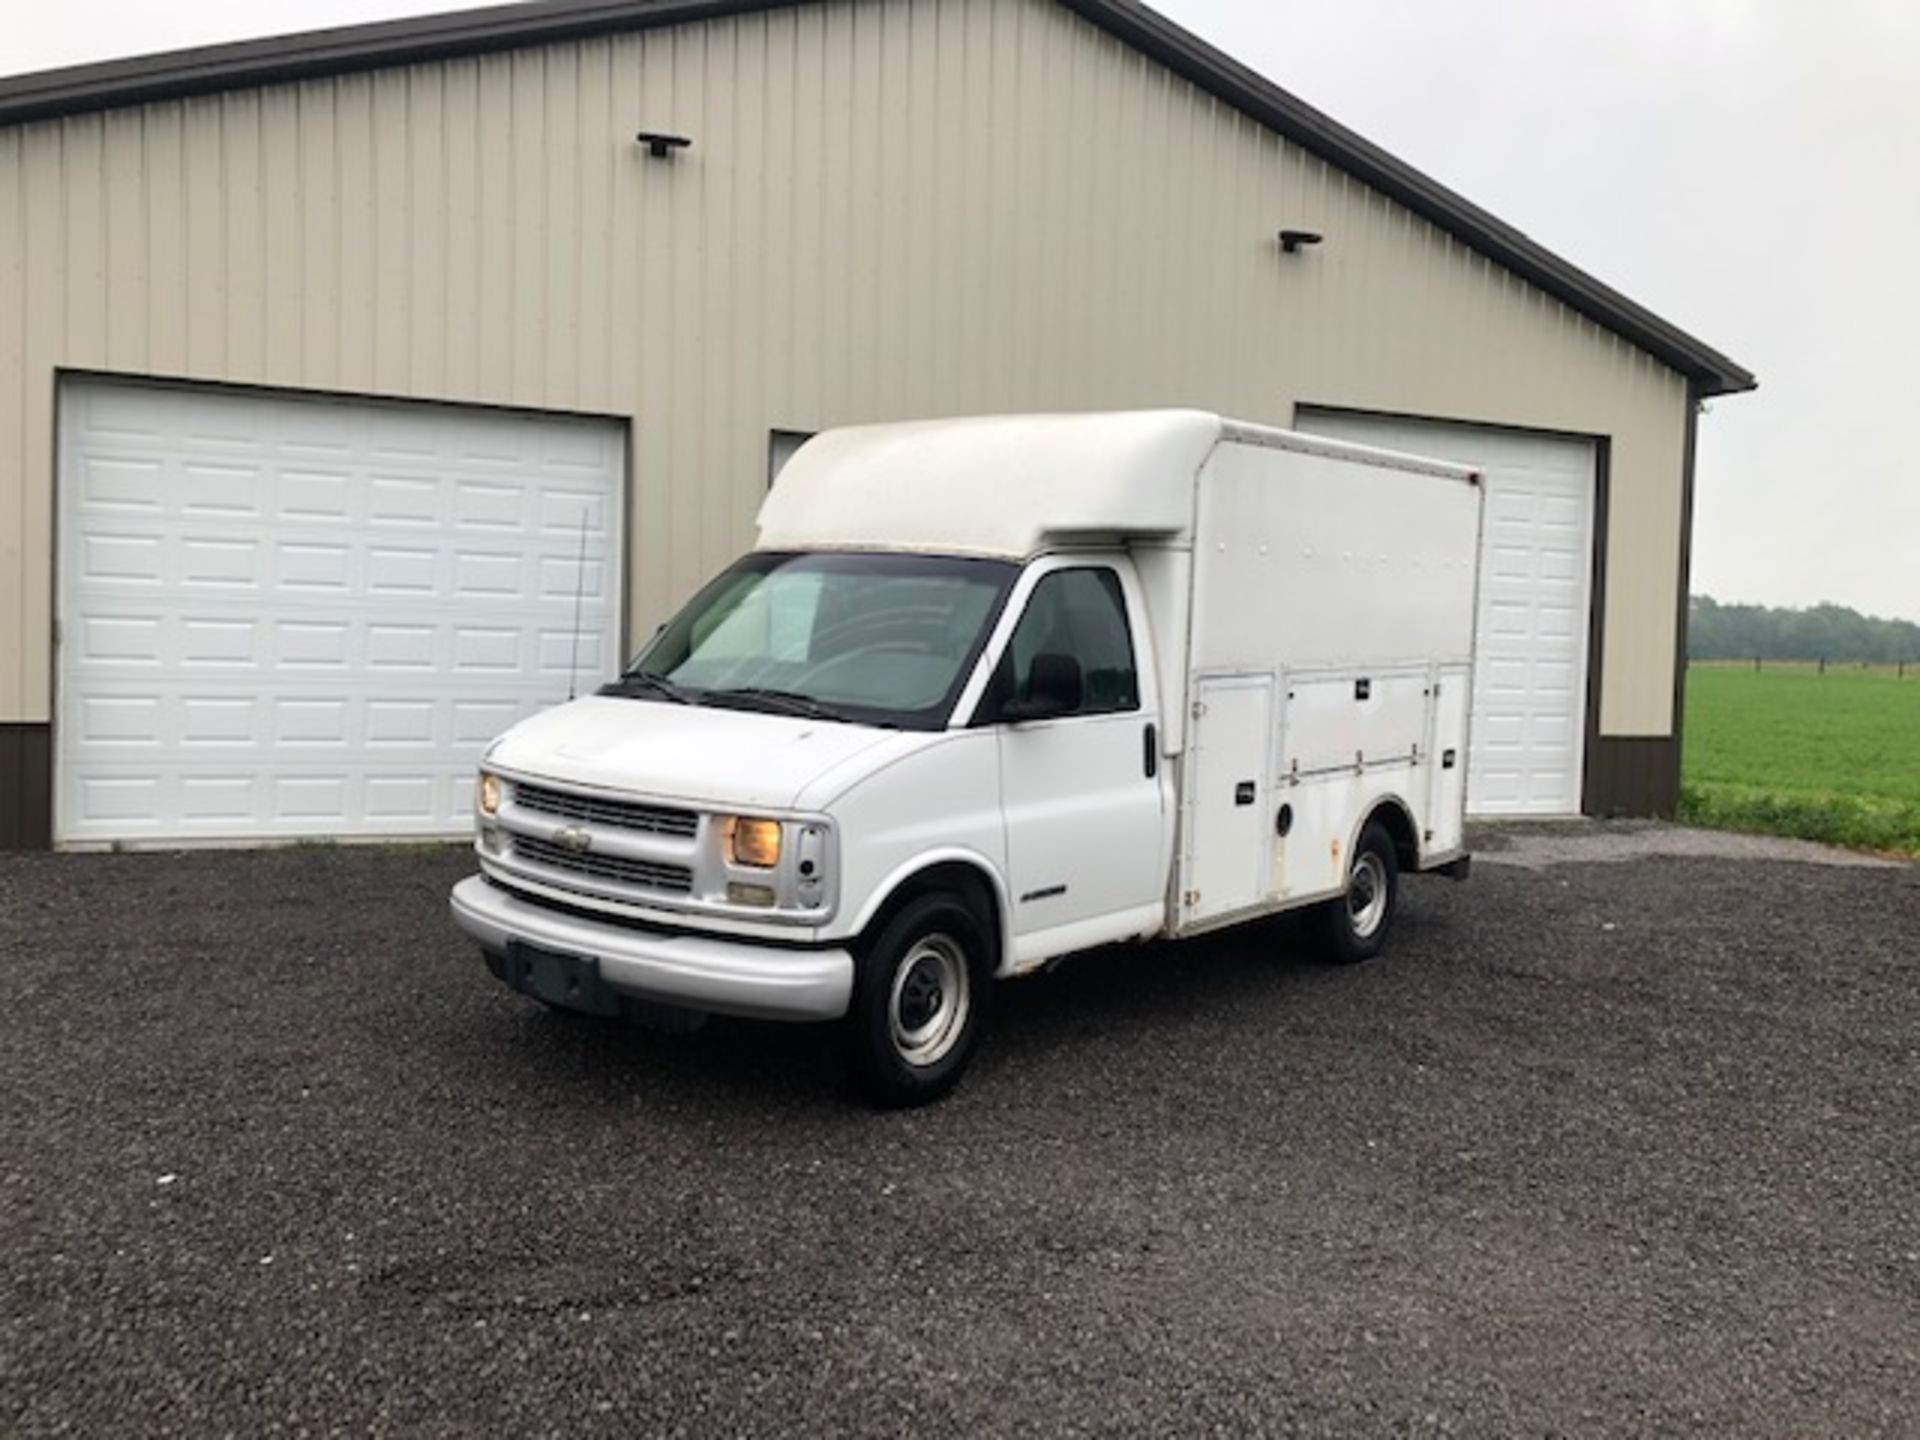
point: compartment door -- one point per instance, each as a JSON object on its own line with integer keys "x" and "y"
{"x": 1447, "y": 754}
{"x": 1227, "y": 799}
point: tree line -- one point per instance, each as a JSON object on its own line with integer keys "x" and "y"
{"x": 1822, "y": 632}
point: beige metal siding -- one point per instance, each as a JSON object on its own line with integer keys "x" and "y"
{"x": 891, "y": 207}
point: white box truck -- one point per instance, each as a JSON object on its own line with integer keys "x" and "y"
{"x": 988, "y": 693}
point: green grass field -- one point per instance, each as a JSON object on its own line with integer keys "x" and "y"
{"x": 1789, "y": 751}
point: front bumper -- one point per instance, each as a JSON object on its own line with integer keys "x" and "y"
{"x": 727, "y": 977}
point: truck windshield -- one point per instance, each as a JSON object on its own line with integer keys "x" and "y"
{"x": 878, "y": 639}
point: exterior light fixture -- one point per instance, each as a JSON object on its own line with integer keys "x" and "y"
{"x": 1292, "y": 240}
{"x": 661, "y": 145}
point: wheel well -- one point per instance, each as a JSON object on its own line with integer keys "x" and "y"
{"x": 949, "y": 877}
{"x": 1393, "y": 818}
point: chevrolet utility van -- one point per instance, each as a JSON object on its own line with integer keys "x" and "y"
{"x": 988, "y": 693}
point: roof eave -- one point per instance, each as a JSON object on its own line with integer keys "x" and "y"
{"x": 346, "y": 49}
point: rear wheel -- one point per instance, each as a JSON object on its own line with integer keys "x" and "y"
{"x": 920, "y": 998}
{"x": 1355, "y": 927}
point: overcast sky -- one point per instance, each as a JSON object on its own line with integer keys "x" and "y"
{"x": 1749, "y": 169}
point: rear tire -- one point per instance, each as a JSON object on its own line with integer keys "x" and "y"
{"x": 920, "y": 999}
{"x": 1355, "y": 927}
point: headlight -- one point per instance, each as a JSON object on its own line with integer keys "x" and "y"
{"x": 490, "y": 792}
{"x": 754, "y": 843}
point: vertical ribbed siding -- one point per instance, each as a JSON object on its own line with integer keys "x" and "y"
{"x": 891, "y": 207}
{"x": 14, "y": 533}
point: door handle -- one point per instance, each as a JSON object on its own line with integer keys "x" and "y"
{"x": 1150, "y": 751}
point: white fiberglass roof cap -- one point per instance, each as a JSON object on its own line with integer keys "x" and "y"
{"x": 1012, "y": 485}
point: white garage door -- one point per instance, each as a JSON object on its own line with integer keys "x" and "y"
{"x": 1530, "y": 679}
{"x": 284, "y": 617}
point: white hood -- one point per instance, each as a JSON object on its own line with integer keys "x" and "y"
{"x": 731, "y": 759}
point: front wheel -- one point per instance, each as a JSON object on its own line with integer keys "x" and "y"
{"x": 920, "y": 998}
{"x": 1354, "y": 927}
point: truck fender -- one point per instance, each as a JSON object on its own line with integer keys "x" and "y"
{"x": 1401, "y": 821}
{"x": 905, "y": 873}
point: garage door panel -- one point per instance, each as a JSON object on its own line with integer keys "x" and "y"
{"x": 475, "y": 722}
{"x": 119, "y": 640}
{"x": 123, "y": 484}
{"x": 489, "y": 506}
{"x": 405, "y": 500}
{"x": 1535, "y": 587}
{"x": 477, "y": 648}
{"x": 219, "y": 492}
{"x": 489, "y": 575}
{"x": 316, "y": 801}
{"x": 120, "y": 720}
{"x": 301, "y": 798}
{"x": 400, "y": 799}
{"x": 496, "y": 449}
{"x": 320, "y": 428}
{"x": 289, "y": 616}
{"x": 119, "y": 801}
{"x": 1516, "y": 562}
{"x": 402, "y": 571}
{"x": 1563, "y": 566}
{"x": 216, "y": 800}
{"x": 1505, "y": 620}
{"x": 397, "y": 723}
{"x": 313, "y": 565}
{"x": 209, "y": 642}
{"x": 396, "y": 432}
{"x": 313, "y": 496}
{"x": 120, "y": 560}
{"x": 557, "y": 653}
{"x": 560, "y": 577}
{"x": 400, "y": 647}
{"x": 208, "y": 421}
{"x": 311, "y": 644}
{"x": 228, "y": 722}
{"x": 561, "y": 511}
{"x": 1556, "y": 622}
{"x": 206, "y": 563}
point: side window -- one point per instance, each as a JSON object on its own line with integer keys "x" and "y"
{"x": 780, "y": 447}
{"x": 1083, "y": 614}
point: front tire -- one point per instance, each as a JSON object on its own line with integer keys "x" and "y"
{"x": 1355, "y": 927}
{"x": 920, "y": 1000}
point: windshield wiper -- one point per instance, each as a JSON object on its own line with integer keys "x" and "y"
{"x": 635, "y": 683}
{"x": 786, "y": 702}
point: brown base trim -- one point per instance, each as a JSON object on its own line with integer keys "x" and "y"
{"x": 26, "y": 787}
{"x": 1632, "y": 775}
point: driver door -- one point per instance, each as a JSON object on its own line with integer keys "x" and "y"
{"x": 1082, "y": 791}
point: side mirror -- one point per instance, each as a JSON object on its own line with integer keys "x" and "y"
{"x": 1054, "y": 687}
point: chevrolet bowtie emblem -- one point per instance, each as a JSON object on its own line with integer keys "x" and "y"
{"x": 573, "y": 838}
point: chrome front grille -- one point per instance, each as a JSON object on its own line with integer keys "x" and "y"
{"x": 621, "y": 814}
{"x": 620, "y": 869}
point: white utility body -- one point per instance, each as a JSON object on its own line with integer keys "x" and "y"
{"x": 989, "y": 692}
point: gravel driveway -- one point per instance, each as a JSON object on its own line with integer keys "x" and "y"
{"x": 1598, "y": 1148}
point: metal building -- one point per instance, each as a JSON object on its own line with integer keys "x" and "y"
{"x": 360, "y": 390}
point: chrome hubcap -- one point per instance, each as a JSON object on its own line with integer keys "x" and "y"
{"x": 1367, "y": 894}
{"x": 932, "y": 996}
